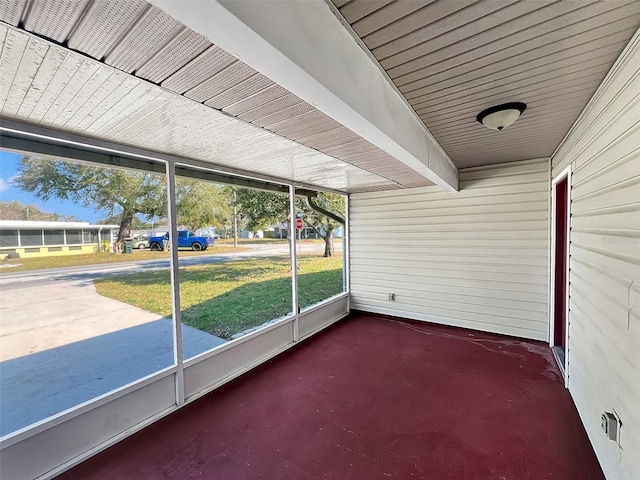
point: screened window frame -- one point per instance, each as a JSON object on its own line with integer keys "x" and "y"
{"x": 11, "y": 245}
{"x": 28, "y": 139}
{"x": 69, "y": 232}
{"x": 53, "y": 237}
{"x": 29, "y": 244}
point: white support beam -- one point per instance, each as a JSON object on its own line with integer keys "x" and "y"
{"x": 304, "y": 47}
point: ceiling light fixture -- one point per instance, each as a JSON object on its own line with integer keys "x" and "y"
{"x": 501, "y": 116}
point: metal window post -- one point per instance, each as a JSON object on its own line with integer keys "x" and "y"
{"x": 345, "y": 247}
{"x": 175, "y": 283}
{"x": 235, "y": 218}
{"x": 294, "y": 260}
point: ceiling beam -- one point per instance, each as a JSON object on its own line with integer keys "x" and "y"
{"x": 304, "y": 47}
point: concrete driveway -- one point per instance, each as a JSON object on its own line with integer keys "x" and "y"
{"x": 61, "y": 344}
{"x": 43, "y": 316}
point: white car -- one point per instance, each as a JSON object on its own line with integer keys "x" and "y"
{"x": 140, "y": 242}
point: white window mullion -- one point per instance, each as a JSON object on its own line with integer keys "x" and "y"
{"x": 175, "y": 283}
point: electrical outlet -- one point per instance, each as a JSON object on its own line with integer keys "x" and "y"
{"x": 609, "y": 425}
{"x": 392, "y": 297}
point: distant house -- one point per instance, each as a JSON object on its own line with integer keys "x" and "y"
{"x": 40, "y": 238}
{"x": 209, "y": 231}
{"x": 277, "y": 230}
{"x": 280, "y": 230}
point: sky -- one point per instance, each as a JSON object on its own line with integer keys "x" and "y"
{"x": 9, "y": 163}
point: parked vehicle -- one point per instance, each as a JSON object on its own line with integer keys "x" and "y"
{"x": 140, "y": 242}
{"x": 186, "y": 239}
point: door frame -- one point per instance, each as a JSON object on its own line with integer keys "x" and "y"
{"x": 564, "y": 174}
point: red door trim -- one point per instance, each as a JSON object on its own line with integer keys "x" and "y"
{"x": 559, "y": 272}
{"x": 560, "y": 267}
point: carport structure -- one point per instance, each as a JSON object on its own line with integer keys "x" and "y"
{"x": 531, "y": 232}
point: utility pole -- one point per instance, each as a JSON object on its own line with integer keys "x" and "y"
{"x": 235, "y": 220}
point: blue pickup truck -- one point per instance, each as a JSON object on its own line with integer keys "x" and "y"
{"x": 186, "y": 239}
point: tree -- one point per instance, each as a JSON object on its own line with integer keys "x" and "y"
{"x": 202, "y": 204}
{"x": 261, "y": 209}
{"x": 322, "y": 224}
{"x": 258, "y": 209}
{"x": 137, "y": 222}
{"x": 101, "y": 188}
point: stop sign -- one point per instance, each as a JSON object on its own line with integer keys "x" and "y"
{"x": 299, "y": 223}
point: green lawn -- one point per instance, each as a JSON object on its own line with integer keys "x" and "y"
{"x": 227, "y": 298}
{"x": 37, "y": 263}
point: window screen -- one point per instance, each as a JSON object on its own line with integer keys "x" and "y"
{"x": 74, "y": 237}
{"x": 31, "y": 238}
{"x": 8, "y": 238}
{"x": 54, "y": 237}
{"x": 90, "y": 236}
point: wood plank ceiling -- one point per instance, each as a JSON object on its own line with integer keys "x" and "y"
{"x": 452, "y": 59}
{"x": 449, "y": 59}
{"x": 140, "y": 39}
{"x": 48, "y": 86}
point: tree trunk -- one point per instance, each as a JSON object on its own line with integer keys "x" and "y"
{"x": 125, "y": 226}
{"x": 328, "y": 244}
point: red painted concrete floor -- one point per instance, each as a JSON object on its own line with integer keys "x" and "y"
{"x": 372, "y": 398}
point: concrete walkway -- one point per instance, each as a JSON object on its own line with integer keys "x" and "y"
{"x": 61, "y": 344}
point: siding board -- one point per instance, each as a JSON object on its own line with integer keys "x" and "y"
{"x": 482, "y": 294}
{"x": 418, "y": 245}
{"x": 435, "y": 226}
{"x": 475, "y": 259}
{"x": 622, "y": 193}
{"x": 603, "y": 149}
{"x": 452, "y": 262}
{"x": 426, "y": 282}
{"x": 447, "y": 235}
{"x": 457, "y": 202}
{"x": 457, "y": 211}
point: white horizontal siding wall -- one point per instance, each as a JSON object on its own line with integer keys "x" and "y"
{"x": 603, "y": 150}
{"x": 476, "y": 259}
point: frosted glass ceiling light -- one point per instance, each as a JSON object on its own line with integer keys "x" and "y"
{"x": 501, "y": 116}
